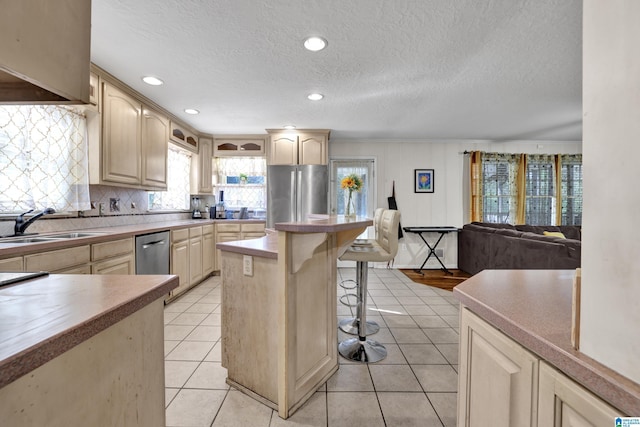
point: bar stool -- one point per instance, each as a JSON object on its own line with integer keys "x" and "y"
{"x": 361, "y": 349}
{"x": 350, "y": 326}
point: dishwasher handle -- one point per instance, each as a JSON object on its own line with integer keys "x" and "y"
{"x": 157, "y": 242}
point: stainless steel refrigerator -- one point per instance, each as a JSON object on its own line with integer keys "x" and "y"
{"x": 293, "y": 192}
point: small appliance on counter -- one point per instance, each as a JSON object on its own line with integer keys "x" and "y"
{"x": 220, "y": 208}
{"x": 195, "y": 207}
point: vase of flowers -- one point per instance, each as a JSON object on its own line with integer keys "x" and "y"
{"x": 349, "y": 184}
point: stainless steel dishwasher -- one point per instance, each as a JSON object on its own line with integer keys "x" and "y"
{"x": 152, "y": 253}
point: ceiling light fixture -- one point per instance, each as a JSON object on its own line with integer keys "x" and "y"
{"x": 289, "y": 127}
{"x": 153, "y": 81}
{"x": 191, "y": 111}
{"x": 315, "y": 96}
{"x": 315, "y": 43}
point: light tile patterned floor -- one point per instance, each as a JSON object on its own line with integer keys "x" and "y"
{"x": 414, "y": 386}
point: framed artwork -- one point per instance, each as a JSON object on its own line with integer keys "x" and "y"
{"x": 423, "y": 181}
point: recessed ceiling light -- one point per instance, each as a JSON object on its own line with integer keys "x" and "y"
{"x": 191, "y": 111}
{"x": 153, "y": 81}
{"x": 315, "y": 43}
{"x": 315, "y": 96}
{"x": 289, "y": 127}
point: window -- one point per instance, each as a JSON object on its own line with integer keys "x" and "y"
{"x": 499, "y": 173}
{"x": 178, "y": 182}
{"x": 571, "y": 189}
{"x": 44, "y": 160}
{"x": 243, "y": 180}
{"x": 536, "y": 189}
{"x": 540, "y": 201}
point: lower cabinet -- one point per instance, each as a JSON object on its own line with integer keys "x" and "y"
{"x": 119, "y": 265}
{"x": 229, "y": 232}
{"x": 208, "y": 249}
{"x": 195, "y": 255}
{"x": 500, "y": 383}
{"x": 192, "y": 256}
{"x": 12, "y": 264}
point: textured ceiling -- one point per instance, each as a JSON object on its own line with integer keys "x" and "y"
{"x": 393, "y": 69}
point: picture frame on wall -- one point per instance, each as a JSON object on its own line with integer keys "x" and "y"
{"x": 423, "y": 181}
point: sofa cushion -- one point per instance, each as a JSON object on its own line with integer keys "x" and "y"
{"x": 554, "y": 234}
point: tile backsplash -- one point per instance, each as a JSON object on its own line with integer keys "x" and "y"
{"x": 131, "y": 209}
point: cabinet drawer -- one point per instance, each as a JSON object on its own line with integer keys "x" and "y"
{"x": 110, "y": 249}
{"x": 57, "y": 260}
{"x": 207, "y": 229}
{"x": 195, "y": 232}
{"x": 179, "y": 235}
{"x": 230, "y": 228}
{"x": 253, "y": 228}
{"x": 11, "y": 264}
{"x": 120, "y": 265}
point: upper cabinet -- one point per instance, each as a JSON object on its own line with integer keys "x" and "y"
{"x": 239, "y": 145}
{"x": 201, "y": 182}
{"x": 302, "y": 147}
{"x": 44, "y": 51}
{"x": 183, "y": 137}
{"x": 133, "y": 142}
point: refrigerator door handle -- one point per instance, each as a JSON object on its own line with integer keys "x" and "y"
{"x": 299, "y": 197}
{"x": 294, "y": 202}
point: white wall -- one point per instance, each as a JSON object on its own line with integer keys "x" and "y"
{"x": 448, "y": 205}
{"x": 610, "y": 321}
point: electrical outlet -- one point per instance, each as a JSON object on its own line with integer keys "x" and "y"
{"x": 247, "y": 265}
{"x": 101, "y": 209}
{"x": 114, "y": 205}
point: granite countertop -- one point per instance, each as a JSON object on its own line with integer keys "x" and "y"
{"x": 44, "y": 317}
{"x": 109, "y": 233}
{"x": 533, "y": 307}
{"x": 264, "y": 247}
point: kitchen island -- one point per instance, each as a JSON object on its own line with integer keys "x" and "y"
{"x": 279, "y": 324}
{"x": 83, "y": 350}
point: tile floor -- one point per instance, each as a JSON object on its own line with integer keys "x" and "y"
{"x": 414, "y": 386}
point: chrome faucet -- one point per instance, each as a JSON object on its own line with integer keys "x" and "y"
{"x": 22, "y": 224}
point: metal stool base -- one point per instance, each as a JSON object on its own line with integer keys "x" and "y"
{"x": 350, "y": 326}
{"x": 368, "y": 351}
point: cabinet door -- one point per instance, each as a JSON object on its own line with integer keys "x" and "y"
{"x": 497, "y": 378}
{"x": 121, "y": 137}
{"x": 563, "y": 403}
{"x": 58, "y": 259}
{"x": 224, "y": 237}
{"x": 12, "y": 264}
{"x": 180, "y": 264}
{"x": 155, "y": 143}
{"x": 202, "y": 167}
{"x": 195, "y": 260}
{"x": 283, "y": 150}
{"x": 208, "y": 253}
{"x": 312, "y": 149}
{"x": 120, "y": 265}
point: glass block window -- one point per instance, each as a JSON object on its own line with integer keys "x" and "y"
{"x": 571, "y": 189}
{"x": 243, "y": 180}
{"x": 178, "y": 182}
{"x": 540, "y": 201}
{"x": 44, "y": 161}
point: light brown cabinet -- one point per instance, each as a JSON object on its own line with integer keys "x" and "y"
{"x": 134, "y": 142}
{"x": 45, "y": 51}
{"x": 201, "y": 178}
{"x": 114, "y": 257}
{"x": 12, "y": 264}
{"x": 188, "y": 251}
{"x": 195, "y": 255}
{"x": 60, "y": 260}
{"x": 231, "y": 231}
{"x": 239, "y": 145}
{"x": 303, "y": 147}
{"x": 208, "y": 249}
{"x": 502, "y": 383}
{"x": 183, "y": 137}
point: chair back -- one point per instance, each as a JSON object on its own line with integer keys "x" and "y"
{"x": 387, "y": 231}
{"x": 377, "y": 217}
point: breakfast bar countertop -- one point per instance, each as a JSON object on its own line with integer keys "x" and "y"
{"x": 44, "y": 317}
{"x": 533, "y": 307}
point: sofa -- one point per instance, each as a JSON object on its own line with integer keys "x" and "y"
{"x": 504, "y": 246}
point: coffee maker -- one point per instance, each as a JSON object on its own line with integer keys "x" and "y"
{"x": 195, "y": 206}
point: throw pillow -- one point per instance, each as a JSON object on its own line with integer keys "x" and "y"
{"x": 554, "y": 234}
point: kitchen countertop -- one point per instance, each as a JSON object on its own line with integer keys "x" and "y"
{"x": 533, "y": 307}
{"x": 44, "y": 317}
{"x": 110, "y": 233}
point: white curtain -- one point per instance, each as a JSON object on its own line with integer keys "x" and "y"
{"x": 177, "y": 195}
{"x": 43, "y": 159}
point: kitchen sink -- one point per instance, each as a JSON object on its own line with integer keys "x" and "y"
{"x": 49, "y": 237}
{"x": 74, "y": 235}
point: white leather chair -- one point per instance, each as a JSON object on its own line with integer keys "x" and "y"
{"x": 383, "y": 249}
